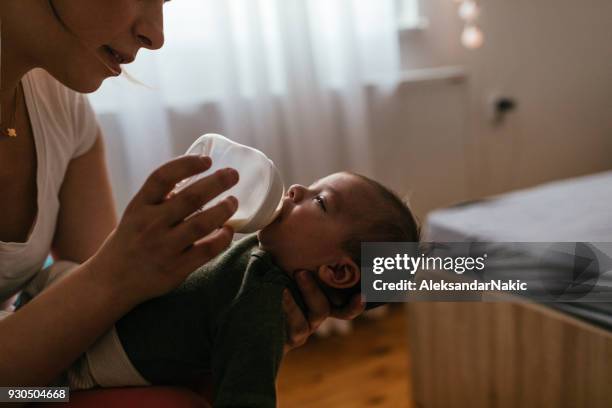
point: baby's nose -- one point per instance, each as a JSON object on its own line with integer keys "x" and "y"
{"x": 296, "y": 193}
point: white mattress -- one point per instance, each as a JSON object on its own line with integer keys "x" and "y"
{"x": 574, "y": 210}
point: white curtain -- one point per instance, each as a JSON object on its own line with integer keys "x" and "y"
{"x": 288, "y": 77}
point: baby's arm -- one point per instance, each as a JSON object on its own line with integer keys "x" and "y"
{"x": 248, "y": 349}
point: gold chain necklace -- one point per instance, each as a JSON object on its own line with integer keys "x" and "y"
{"x": 11, "y": 129}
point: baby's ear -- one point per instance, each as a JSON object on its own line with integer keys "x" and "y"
{"x": 344, "y": 274}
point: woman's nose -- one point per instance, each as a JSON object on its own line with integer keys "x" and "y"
{"x": 296, "y": 193}
{"x": 149, "y": 30}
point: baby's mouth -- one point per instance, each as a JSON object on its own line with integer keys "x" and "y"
{"x": 274, "y": 222}
{"x": 284, "y": 210}
{"x": 279, "y": 213}
{"x": 278, "y": 218}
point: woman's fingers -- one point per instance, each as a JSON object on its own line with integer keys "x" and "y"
{"x": 192, "y": 198}
{"x": 205, "y": 250}
{"x": 353, "y": 309}
{"x": 316, "y": 301}
{"x": 165, "y": 178}
{"x": 298, "y": 328}
{"x": 203, "y": 223}
{"x": 154, "y": 247}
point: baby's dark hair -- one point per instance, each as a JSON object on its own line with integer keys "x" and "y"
{"x": 390, "y": 220}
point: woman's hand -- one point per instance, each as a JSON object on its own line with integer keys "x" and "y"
{"x": 157, "y": 243}
{"x": 151, "y": 251}
{"x": 300, "y": 327}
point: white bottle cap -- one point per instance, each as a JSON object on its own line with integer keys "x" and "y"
{"x": 260, "y": 189}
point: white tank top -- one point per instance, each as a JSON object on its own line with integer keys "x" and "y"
{"x": 64, "y": 127}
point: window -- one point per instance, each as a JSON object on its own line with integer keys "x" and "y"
{"x": 410, "y": 15}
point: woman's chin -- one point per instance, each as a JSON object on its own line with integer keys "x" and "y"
{"x": 84, "y": 83}
{"x": 88, "y": 86}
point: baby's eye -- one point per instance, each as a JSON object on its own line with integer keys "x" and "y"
{"x": 319, "y": 199}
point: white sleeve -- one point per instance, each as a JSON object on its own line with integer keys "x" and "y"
{"x": 85, "y": 124}
{"x": 45, "y": 278}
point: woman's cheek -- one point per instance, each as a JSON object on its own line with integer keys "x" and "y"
{"x": 96, "y": 22}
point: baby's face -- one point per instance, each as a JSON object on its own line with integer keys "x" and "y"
{"x": 315, "y": 221}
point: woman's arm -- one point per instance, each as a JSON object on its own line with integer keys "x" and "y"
{"x": 44, "y": 337}
{"x": 87, "y": 212}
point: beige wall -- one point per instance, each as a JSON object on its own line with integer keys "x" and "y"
{"x": 553, "y": 56}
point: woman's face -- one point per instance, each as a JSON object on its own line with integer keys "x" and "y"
{"x": 96, "y": 36}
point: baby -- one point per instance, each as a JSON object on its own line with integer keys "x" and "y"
{"x": 227, "y": 318}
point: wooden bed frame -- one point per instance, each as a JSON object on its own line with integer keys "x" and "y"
{"x": 506, "y": 355}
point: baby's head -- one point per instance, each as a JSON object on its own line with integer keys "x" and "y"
{"x": 320, "y": 228}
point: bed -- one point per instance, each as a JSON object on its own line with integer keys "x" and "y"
{"x": 518, "y": 354}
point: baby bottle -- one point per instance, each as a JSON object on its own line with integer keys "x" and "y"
{"x": 260, "y": 189}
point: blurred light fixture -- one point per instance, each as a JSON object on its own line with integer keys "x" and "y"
{"x": 472, "y": 36}
{"x": 469, "y": 11}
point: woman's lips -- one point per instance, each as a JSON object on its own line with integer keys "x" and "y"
{"x": 115, "y": 58}
{"x": 112, "y": 60}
